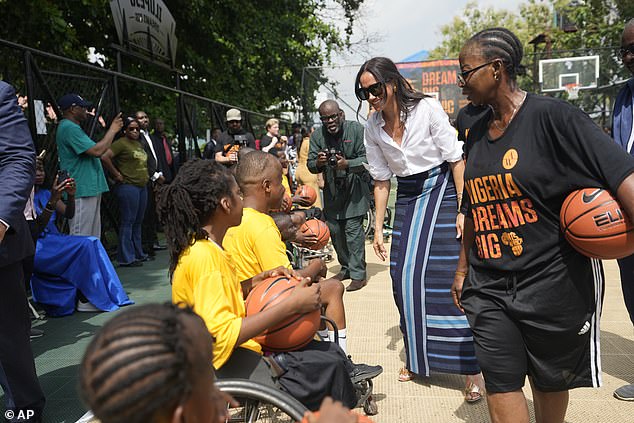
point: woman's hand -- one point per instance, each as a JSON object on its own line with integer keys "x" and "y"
{"x": 456, "y": 289}
{"x": 459, "y": 225}
{"x": 379, "y": 248}
{"x": 56, "y": 190}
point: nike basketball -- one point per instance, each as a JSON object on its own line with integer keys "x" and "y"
{"x": 595, "y": 224}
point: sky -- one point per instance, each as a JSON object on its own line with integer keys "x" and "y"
{"x": 408, "y": 26}
{"x": 403, "y": 27}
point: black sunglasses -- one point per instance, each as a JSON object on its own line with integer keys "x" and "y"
{"x": 329, "y": 117}
{"x": 463, "y": 76}
{"x": 134, "y": 129}
{"x": 625, "y": 50}
{"x": 376, "y": 90}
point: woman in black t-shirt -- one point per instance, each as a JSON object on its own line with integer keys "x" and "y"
{"x": 532, "y": 301}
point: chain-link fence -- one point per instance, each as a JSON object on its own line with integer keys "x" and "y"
{"x": 40, "y": 78}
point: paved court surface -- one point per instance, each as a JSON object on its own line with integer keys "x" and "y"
{"x": 374, "y": 337}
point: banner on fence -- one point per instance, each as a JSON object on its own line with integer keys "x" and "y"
{"x": 438, "y": 78}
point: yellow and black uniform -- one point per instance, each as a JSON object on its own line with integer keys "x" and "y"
{"x": 255, "y": 245}
{"x": 533, "y": 302}
{"x": 205, "y": 279}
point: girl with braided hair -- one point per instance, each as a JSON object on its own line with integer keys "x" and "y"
{"x": 151, "y": 364}
{"x": 533, "y": 302}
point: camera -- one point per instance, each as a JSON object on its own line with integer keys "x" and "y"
{"x": 240, "y": 140}
{"x": 331, "y": 156}
{"x": 62, "y": 175}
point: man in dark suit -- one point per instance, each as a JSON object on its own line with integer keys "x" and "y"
{"x": 157, "y": 169}
{"x": 161, "y": 143}
{"x": 24, "y": 396}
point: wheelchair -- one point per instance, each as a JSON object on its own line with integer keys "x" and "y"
{"x": 260, "y": 403}
{"x": 299, "y": 257}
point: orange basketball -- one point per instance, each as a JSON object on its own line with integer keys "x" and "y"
{"x": 595, "y": 224}
{"x": 319, "y": 228}
{"x": 307, "y": 191}
{"x": 290, "y": 334}
{"x": 360, "y": 417}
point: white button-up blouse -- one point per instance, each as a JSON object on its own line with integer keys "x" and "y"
{"x": 428, "y": 141}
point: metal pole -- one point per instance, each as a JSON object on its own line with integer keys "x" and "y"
{"x": 115, "y": 84}
{"x": 30, "y": 93}
{"x": 182, "y": 148}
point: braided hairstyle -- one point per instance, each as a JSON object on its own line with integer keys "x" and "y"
{"x": 500, "y": 43}
{"x": 384, "y": 70}
{"x": 137, "y": 367}
{"x": 185, "y": 205}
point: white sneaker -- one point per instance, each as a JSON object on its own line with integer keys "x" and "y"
{"x": 87, "y": 307}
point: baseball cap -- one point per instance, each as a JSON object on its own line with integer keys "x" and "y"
{"x": 233, "y": 114}
{"x": 69, "y": 100}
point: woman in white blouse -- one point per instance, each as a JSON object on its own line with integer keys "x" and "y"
{"x": 410, "y": 137}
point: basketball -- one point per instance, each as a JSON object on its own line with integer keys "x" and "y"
{"x": 290, "y": 334}
{"x": 319, "y": 228}
{"x": 595, "y": 224}
{"x": 307, "y": 191}
{"x": 360, "y": 417}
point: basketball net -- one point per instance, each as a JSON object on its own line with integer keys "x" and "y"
{"x": 572, "y": 90}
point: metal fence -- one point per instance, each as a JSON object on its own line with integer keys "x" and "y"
{"x": 44, "y": 77}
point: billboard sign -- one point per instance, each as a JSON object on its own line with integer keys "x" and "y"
{"x": 146, "y": 25}
{"x": 438, "y": 78}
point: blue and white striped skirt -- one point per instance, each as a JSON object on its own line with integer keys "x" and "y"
{"x": 423, "y": 260}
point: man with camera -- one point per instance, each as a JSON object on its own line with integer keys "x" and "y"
{"x": 79, "y": 155}
{"x": 234, "y": 138}
{"x": 337, "y": 150}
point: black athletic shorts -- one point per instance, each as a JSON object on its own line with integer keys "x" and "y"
{"x": 543, "y": 323}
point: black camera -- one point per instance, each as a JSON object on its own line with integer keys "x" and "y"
{"x": 331, "y": 156}
{"x": 240, "y": 140}
{"x": 62, "y": 175}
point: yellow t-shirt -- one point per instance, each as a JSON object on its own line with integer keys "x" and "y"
{"x": 255, "y": 245}
{"x": 205, "y": 280}
{"x": 287, "y": 187}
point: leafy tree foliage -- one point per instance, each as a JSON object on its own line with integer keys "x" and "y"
{"x": 245, "y": 52}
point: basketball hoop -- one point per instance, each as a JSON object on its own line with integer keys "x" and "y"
{"x": 572, "y": 90}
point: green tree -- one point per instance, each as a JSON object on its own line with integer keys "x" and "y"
{"x": 245, "y": 52}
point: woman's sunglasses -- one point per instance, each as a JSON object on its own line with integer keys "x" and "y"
{"x": 376, "y": 90}
{"x": 134, "y": 129}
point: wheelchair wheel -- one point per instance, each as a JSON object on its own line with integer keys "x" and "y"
{"x": 368, "y": 223}
{"x": 260, "y": 403}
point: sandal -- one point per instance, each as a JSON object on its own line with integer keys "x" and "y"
{"x": 472, "y": 393}
{"x": 404, "y": 375}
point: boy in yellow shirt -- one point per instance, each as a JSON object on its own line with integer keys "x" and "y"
{"x": 256, "y": 244}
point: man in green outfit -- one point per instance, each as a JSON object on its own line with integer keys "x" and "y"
{"x": 79, "y": 156}
{"x": 337, "y": 150}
